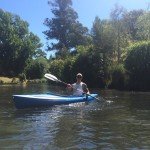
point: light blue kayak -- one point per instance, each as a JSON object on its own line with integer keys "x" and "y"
{"x": 37, "y": 100}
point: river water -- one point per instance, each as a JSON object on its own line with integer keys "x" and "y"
{"x": 118, "y": 121}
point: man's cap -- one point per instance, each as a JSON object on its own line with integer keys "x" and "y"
{"x": 79, "y": 75}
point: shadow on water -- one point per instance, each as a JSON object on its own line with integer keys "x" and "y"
{"x": 141, "y": 102}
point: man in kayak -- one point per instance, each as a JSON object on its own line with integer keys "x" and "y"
{"x": 78, "y": 88}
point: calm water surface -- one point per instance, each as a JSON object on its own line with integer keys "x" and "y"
{"x": 120, "y": 121}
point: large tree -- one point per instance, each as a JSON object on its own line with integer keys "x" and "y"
{"x": 102, "y": 35}
{"x": 143, "y": 26}
{"x": 17, "y": 44}
{"x": 120, "y": 33}
{"x": 130, "y": 21}
{"x": 103, "y": 44}
{"x": 64, "y": 29}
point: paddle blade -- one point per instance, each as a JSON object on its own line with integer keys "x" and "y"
{"x": 51, "y": 77}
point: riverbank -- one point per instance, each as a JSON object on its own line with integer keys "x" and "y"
{"x": 15, "y": 80}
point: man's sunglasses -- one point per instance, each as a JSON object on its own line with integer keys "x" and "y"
{"x": 79, "y": 77}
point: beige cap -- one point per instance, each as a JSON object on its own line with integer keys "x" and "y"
{"x": 79, "y": 75}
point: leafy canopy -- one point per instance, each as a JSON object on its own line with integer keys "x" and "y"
{"x": 17, "y": 44}
{"x": 64, "y": 28}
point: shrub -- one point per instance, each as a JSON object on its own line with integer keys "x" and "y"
{"x": 138, "y": 65}
{"x": 22, "y": 77}
{"x": 56, "y": 67}
{"x": 36, "y": 68}
{"x": 90, "y": 65}
{"x": 68, "y": 73}
{"x": 119, "y": 77}
{"x": 1, "y": 82}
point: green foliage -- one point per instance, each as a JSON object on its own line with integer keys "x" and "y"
{"x": 56, "y": 67}
{"x": 138, "y": 65}
{"x": 130, "y": 22}
{"x": 22, "y": 77}
{"x": 119, "y": 77}
{"x": 64, "y": 53}
{"x": 143, "y": 26}
{"x": 68, "y": 73}
{"x": 64, "y": 28}
{"x": 63, "y": 69}
{"x": 120, "y": 32}
{"x": 1, "y": 82}
{"x": 36, "y": 68}
{"x": 17, "y": 44}
{"x": 86, "y": 62}
{"x": 103, "y": 43}
{"x": 101, "y": 33}
{"x": 99, "y": 56}
{"x": 90, "y": 65}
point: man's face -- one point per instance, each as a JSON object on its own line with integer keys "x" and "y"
{"x": 79, "y": 78}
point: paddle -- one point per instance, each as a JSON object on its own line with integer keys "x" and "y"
{"x": 54, "y": 78}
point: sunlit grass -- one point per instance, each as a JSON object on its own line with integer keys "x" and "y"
{"x": 6, "y": 80}
{"x": 15, "y": 80}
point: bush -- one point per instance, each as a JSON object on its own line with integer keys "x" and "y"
{"x": 119, "y": 77}
{"x": 138, "y": 65}
{"x": 56, "y": 67}
{"x": 68, "y": 73}
{"x": 90, "y": 65}
{"x": 22, "y": 77}
{"x": 1, "y": 82}
{"x": 36, "y": 68}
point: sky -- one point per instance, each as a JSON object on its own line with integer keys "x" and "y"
{"x": 35, "y": 11}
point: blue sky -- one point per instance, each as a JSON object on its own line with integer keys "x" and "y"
{"x": 35, "y": 11}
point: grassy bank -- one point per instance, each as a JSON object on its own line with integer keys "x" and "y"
{"x": 15, "y": 80}
{"x": 6, "y": 80}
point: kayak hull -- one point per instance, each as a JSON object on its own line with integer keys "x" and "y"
{"x": 38, "y": 100}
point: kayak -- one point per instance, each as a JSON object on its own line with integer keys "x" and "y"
{"x": 37, "y": 100}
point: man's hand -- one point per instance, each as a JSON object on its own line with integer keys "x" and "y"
{"x": 69, "y": 87}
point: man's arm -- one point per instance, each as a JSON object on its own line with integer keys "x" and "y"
{"x": 85, "y": 88}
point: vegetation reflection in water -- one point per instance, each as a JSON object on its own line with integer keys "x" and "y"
{"x": 122, "y": 124}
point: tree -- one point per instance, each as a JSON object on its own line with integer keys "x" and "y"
{"x": 102, "y": 36}
{"x": 143, "y": 26}
{"x": 17, "y": 44}
{"x": 103, "y": 44}
{"x": 64, "y": 28}
{"x": 36, "y": 68}
{"x": 90, "y": 64}
{"x": 119, "y": 31}
{"x": 138, "y": 65}
{"x": 130, "y": 22}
